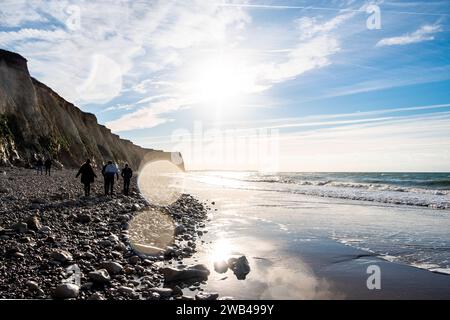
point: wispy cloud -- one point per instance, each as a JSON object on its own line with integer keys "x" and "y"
{"x": 424, "y": 33}
{"x": 151, "y": 116}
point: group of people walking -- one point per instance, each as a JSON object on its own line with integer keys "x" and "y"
{"x": 109, "y": 172}
{"x": 47, "y": 164}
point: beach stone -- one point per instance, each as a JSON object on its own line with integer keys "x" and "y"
{"x": 34, "y": 223}
{"x": 20, "y": 227}
{"x": 226, "y": 298}
{"x": 134, "y": 259}
{"x": 4, "y": 190}
{"x": 96, "y": 296}
{"x": 179, "y": 229}
{"x": 99, "y": 276}
{"x": 89, "y": 255}
{"x": 126, "y": 290}
{"x": 163, "y": 292}
{"x": 206, "y": 296}
{"x": 113, "y": 267}
{"x": 221, "y": 266}
{"x": 113, "y": 238}
{"x": 194, "y": 272}
{"x": 105, "y": 243}
{"x": 61, "y": 256}
{"x": 32, "y": 285}
{"x": 18, "y": 255}
{"x": 83, "y": 218}
{"x": 45, "y": 229}
{"x": 66, "y": 291}
{"x": 240, "y": 267}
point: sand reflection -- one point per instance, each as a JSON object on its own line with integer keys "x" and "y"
{"x": 273, "y": 275}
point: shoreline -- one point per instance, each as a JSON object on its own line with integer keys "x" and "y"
{"x": 295, "y": 245}
{"x": 93, "y": 234}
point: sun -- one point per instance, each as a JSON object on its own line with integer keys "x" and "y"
{"x": 220, "y": 81}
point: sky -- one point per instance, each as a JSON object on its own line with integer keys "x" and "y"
{"x": 252, "y": 85}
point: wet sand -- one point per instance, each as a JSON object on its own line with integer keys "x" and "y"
{"x": 292, "y": 259}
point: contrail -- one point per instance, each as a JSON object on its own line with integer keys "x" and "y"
{"x": 284, "y": 7}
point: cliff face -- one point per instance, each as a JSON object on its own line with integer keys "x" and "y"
{"x": 35, "y": 121}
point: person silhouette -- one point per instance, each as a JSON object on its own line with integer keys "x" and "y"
{"x": 126, "y": 174}
{"x": 48, "y": 166}
{"x": 109, "y": 171}
{"x": 87, "y": 176}
{"x": 39, "y": 165}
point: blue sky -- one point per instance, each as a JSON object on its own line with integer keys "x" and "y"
{"x": 268, "y": 85}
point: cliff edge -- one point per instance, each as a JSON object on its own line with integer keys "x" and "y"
{"x": 36, "y": 122}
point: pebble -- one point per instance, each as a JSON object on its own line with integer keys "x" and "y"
{"x": 90, "y": 232}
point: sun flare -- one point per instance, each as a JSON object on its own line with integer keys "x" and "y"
{"x": 220, "y": 81}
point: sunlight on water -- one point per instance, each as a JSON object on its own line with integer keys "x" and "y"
{"x": 151, "y": 232}
{"x": 221, "y": 250}
{"x": 161, "y": 182}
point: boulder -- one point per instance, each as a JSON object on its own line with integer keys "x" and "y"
{"x": 113, "y": 267}
{"x": 20, "y": 227}
{"x": 199, "y": 272}
{"x": 66, "y": 291}
{"x": 240, "y": 267}
{"x": 100, "y": 276}
{"x": 61, "y": 256}
{"x": 126, "y": 290}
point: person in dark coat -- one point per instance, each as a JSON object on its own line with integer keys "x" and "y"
{"x": 87, "y": 176}
{"x": 39, "y": 165}
{"x": 48, "y": 166}
{"x": 126, "y": 174}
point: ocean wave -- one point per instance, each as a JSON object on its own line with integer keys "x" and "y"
{"x": 396, "y": 185}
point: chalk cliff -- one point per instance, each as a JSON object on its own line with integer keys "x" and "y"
{"x": 35, "y": 121}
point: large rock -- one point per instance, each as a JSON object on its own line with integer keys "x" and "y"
{"x": 126, "y": 290}
{"x": 83, "y": 218}
{"x": 239, "y": 266}
{"x": 61, "y": 256}
{"x": 66, "y": 291}
{"x": 20, "y": 227}
{"x": 113, "y": 267}
{"x": 199, "y": 271}
{"x": 100, "y": 276}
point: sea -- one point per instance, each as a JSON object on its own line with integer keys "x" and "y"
{"x": 401, "y": 217}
